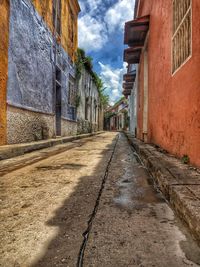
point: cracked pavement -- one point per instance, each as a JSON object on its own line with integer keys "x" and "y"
{"x": 46, "y": 208}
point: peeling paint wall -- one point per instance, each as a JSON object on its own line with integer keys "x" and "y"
{"x": 4, "y": 39}
{"x": 174, "y": 100}
{"x": 25, "y": 126}
{"x": 68, "y": 22}
{"x": 30, "y": 83}
{"x": 69, "y": 15}
{"x": 45, "y": 10}
{"x": 31, "y": 74}
{"x": 87, "y": 90}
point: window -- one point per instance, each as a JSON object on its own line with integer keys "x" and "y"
{"x": 86, "y": 107}
{"x": 181, "y": 40}
{"x": 71, "y": 92}
{"x": 57, "y": 16}
{"x": 95, "y": 110}
{"x": 58, "y": 75}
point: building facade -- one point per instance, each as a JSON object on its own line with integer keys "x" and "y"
{"x": 130, "y": 91}
{"x": 38, "y": 73}
{"x": 89, "y": 107}
{"x": 164, "y": 40}
{"x": 116, "y": 117}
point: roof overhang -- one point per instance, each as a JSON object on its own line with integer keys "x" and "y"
{"x": 132, "y": 55}
{"x": 136, "y": 31}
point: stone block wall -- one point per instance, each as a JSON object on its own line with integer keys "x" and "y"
{"x": 83, "y": 126}
{"x": 26, "y": 126}
{"x": 68, "y": 127}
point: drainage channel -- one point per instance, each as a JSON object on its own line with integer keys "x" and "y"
{"x": 92, "y": 217}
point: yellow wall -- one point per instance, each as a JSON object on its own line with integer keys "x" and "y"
{"x": 45, "y": 7}
{"x": 4, "y": 35}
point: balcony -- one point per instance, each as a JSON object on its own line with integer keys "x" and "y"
{"x": 136, "y": 31}
{"x": 128, "y": 85}
{"x": 126, "y": 92}
{"x": 132, "y": 55}
{"x": 129, "y": 77}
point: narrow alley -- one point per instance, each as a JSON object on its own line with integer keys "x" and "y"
{"x": 93, "y": 204}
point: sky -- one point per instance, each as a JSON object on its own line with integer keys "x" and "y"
{"x": 101, "y": 35}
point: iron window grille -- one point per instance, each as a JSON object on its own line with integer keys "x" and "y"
{"x": 182, "y": 33}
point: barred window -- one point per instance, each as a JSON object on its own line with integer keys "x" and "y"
{"x": 181, "y": 40}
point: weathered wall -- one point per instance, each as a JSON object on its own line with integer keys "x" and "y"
{"x": 25, "y": 126}
{"x": 132, "y": 113}
{"x": 44, "y": 8}
{"x": 68, "y": 127}
{"x": 4, "y": 39}
{"x": 30, "y": 82}
{"x": 31, "y": 68}
{"x": 88, "y": 89}
{"x": 174, "y": 101}
{"x": 63, "y": 62}
{"x": 140, "y": 102}
{"x": 70, "y": 25}
{"x": 101, "y": 119}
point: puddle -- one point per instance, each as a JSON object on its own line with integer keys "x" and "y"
{"x": 136, "y": 189}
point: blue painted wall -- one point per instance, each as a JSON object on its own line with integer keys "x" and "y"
{"x": 31, "y": 62}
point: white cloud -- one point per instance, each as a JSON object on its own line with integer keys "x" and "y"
{"x": 82, "y": 6}
{"x": 112, "y": 79}
{"x": 96, "y": 24}
{"x": 93, "y": 4}
{"x": 119, "y": 13}
{"x": 92, "y": 35}
{"x": 94, "y": 30}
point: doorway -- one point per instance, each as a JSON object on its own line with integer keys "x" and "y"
{"x": 58, "y": 102}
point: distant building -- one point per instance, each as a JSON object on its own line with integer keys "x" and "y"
{"x": 89, "y": 107}
{"x": 37, "y": 72}
{"x": 116, "y": 117}
{"x": 164, "y": 41}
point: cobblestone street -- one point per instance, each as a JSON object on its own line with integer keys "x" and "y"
{"x": 91, "y": 205}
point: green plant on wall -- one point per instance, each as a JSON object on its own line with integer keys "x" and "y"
{"x": 185, "y": 159}
{"x": 83, "y": 61}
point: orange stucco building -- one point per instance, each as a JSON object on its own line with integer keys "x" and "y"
{"x": 164, "y": 40}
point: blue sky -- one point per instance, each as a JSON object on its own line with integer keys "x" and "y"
{"x": 101, "y": 30}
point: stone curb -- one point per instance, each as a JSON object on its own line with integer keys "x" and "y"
{"x": 179, "y": 183}
{"x": 10, "y": 151}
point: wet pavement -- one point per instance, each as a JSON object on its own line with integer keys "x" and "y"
{"x": 93, "y": 205}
